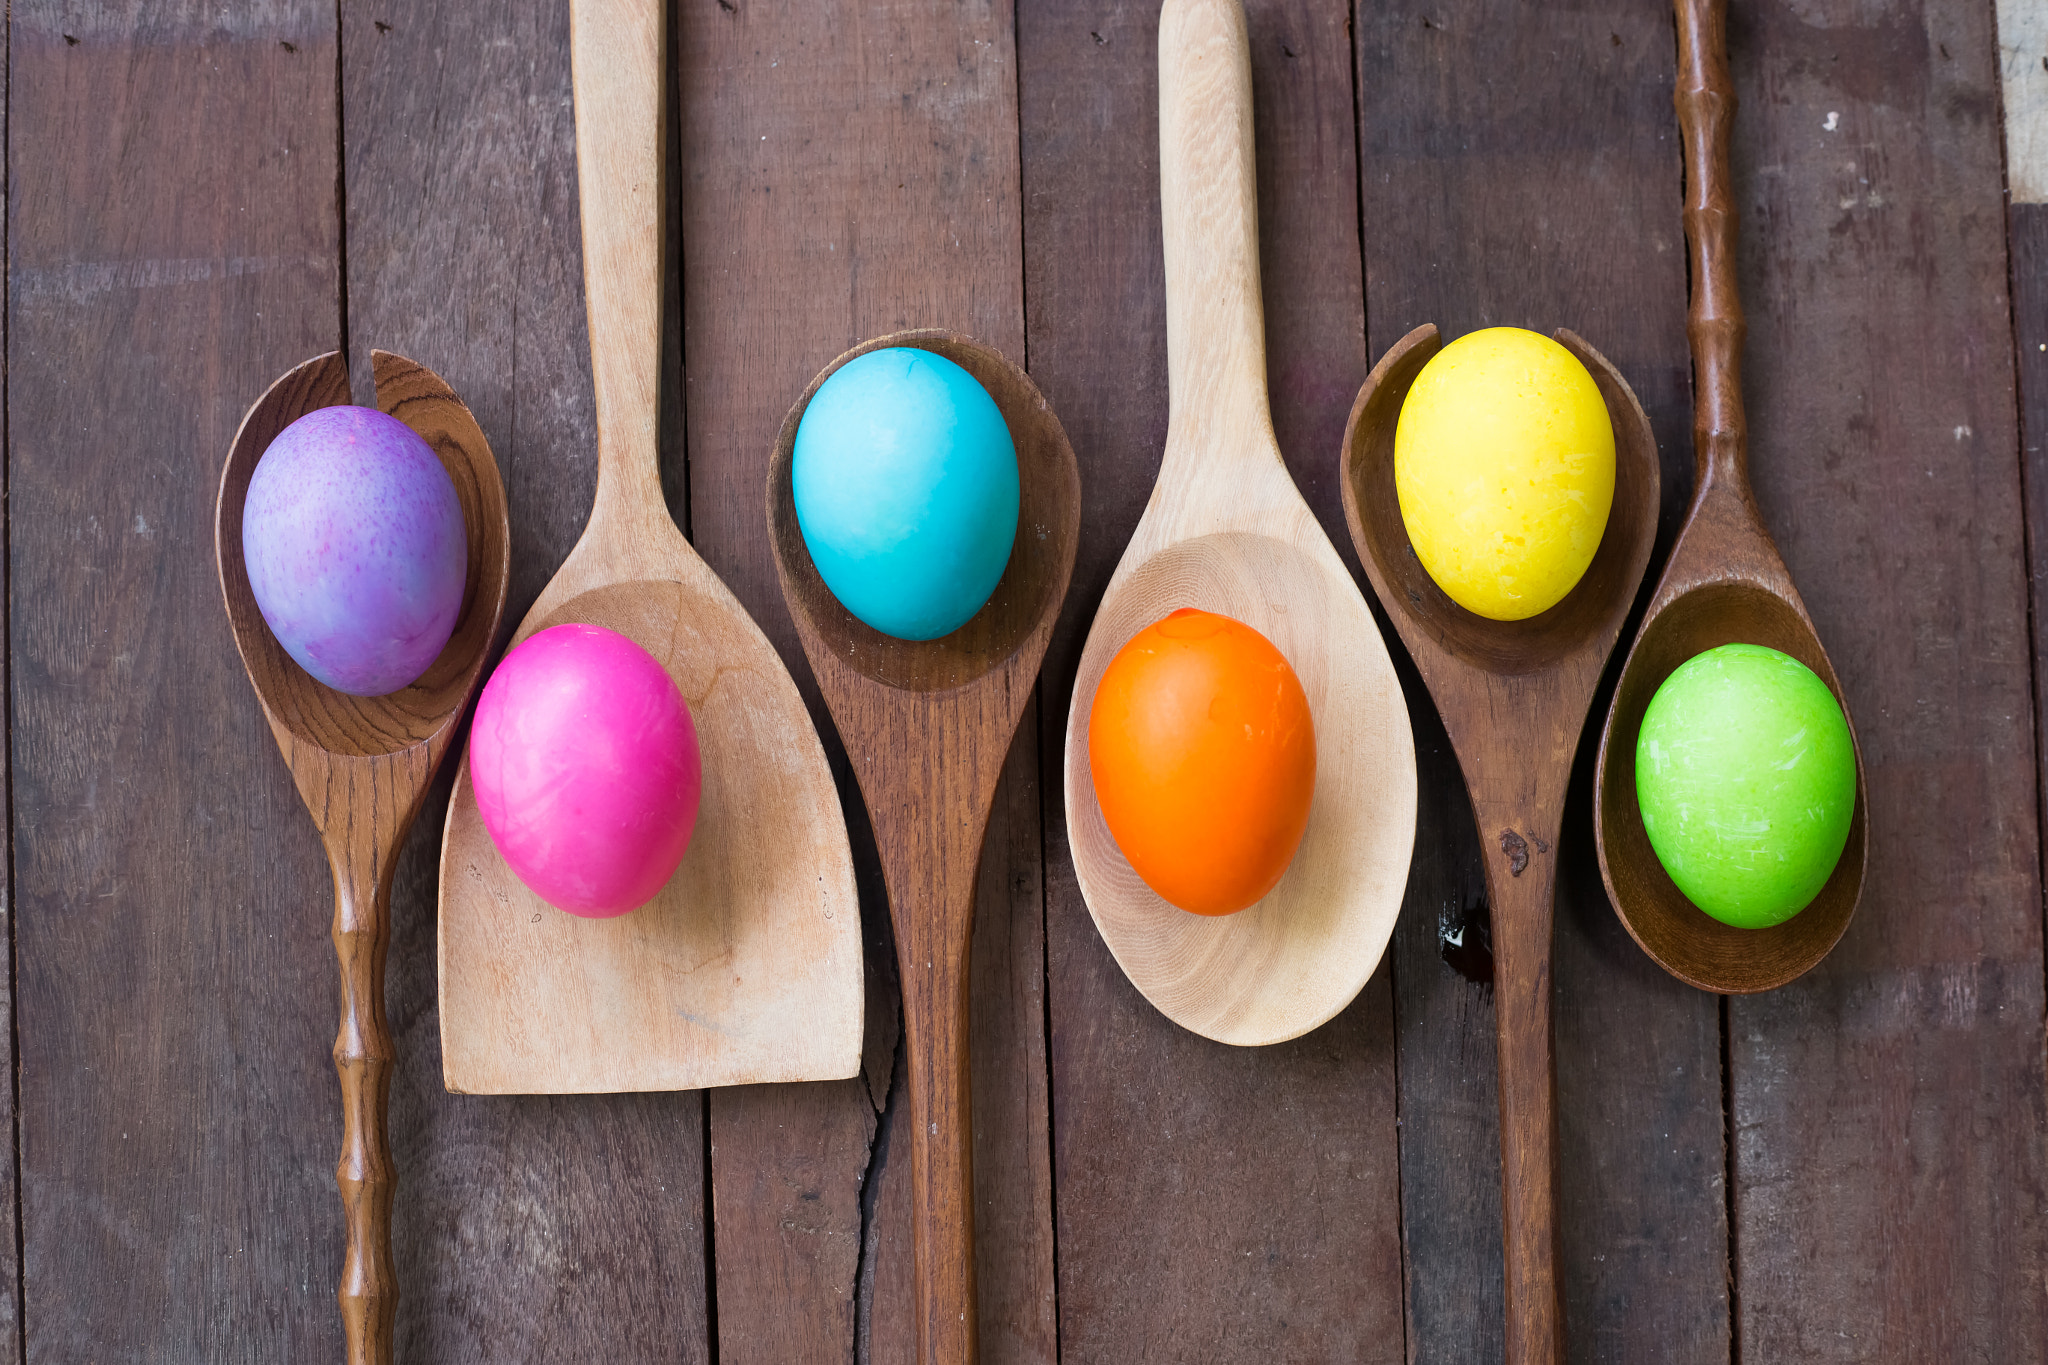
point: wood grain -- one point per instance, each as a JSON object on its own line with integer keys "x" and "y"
{"x": 174, "y": 905}
{"x": 2027, "y": 234}
{"x": 1888, "y": 1107}
{"x": 1182, "y": 1234}
{"x": 2022, "y": 46}
{"x": 1524, "y": 171}
{"x": 848, "y": 171}
{"x": 523, "y": 1222}
{"x": 1226, "y": 530}
{"x": 10, "y": 1166}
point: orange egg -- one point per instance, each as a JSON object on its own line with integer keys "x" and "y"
{"x": 1204, "y": 759}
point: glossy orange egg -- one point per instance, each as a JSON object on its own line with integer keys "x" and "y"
{"x": 1203, "y": 755}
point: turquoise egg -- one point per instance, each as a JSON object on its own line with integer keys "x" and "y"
{"x": 905, "y": 481}
{"x": 1746, "y": 776}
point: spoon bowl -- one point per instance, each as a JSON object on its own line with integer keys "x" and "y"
{"x": 1725, "y": 583}
{"x": 362, "y": 765}
{"x": 1690, "y": 944}
{"x": 1513, "y": 697}
{"x": 1587, "y": 620}
{"x": 927, "y": 725}
{"x": 1026, "y": 598}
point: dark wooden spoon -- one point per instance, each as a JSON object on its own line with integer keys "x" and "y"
{"x": 1725, "y": 582}
{"x": 362, "y": 765}
{"x": 927, "y": 725}
{"x": 1513, "y": 697}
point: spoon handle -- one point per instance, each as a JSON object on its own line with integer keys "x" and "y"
{"x": 1521, "y": 885}
{"x": 1208, "y": 192}
{"x": 1705, "y": 98}
{"x": 929, "y": 861}
{"x": 616, "y": 52}
{"x": 363, "y": 1058}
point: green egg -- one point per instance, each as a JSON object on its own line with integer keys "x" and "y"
{"x": 1747, "y": 778}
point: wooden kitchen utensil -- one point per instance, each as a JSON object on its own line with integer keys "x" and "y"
{"x": 362, "y": 765}
{"x": 1513, "y": 697}
{"x": 1227, "y": 531}
{"x": 747, "y": 966}
{"x": 1725, "y": 582}
{"x": 927, "y": 725}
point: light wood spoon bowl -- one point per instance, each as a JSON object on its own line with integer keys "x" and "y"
{"x": 746, "y": 967}
{"x": 927, "y": 725}
{"x": 1513, "y": 697}
{"x": 1725, "y": 582}
{"x": 1227, "y": 531}
{"x": 363, "y": 765}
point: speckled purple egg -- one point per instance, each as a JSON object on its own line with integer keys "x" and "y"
{"x": 356, "y": 549}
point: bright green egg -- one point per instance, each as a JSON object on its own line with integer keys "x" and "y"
{"x": 1747, "y": 778}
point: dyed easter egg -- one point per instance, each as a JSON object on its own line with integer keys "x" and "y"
{"x": 1746, "y": 775}
{"x": 585, "y": 765}
{"x": 1203, "y": 755}
{"x": 355, "y": 548}
{"x": 1504, "y": 466}
{"x": 905, "y": 482}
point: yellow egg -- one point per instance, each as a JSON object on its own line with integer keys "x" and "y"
{"x": 1504, "y": 464}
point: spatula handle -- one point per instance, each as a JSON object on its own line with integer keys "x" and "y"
{"x": 1521, "y": 883}
{"x": 1208, "y": 192}
{"x": 616, "y": 51}
{"x": 1705, "y": 97}
{"x": 363, "y": 1058}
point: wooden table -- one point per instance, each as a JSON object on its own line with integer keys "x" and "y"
{"x": 201, "y": 195}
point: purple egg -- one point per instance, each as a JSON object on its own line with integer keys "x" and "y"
{"x": 356, "y": 548}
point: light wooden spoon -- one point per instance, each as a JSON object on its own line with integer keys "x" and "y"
{"x": 747, "y": 966}
{"x": 1725, "y": 582}
{"x": 363, "y": 765}
{"x": 927, "y": 725}
{"x": 1513, "y": 697}
{"x": 1227, "y": 531}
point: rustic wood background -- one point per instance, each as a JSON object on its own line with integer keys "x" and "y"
{"x": 202, "y": 194}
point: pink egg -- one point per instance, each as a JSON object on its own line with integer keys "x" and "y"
{"x": 585, "y": 765}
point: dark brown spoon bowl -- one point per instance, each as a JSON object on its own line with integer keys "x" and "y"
{"x": 362, "y": 766}
{"x": 1513, "y": 697}
{"x": 927, "y": 725}
{"x": 1726, "y": 582}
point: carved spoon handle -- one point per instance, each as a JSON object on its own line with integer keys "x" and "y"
{"x": 363, "y": 1058}
{"x": 1705, "y": 97}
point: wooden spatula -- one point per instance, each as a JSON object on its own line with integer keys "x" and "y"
{"x": 747, "y": 966}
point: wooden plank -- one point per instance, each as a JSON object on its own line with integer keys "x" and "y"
{"x": 2027, "y": 236}
{"x": 173, "y": 236}
{"x": 851, "y": 170}
{"x": 1523, "y": 170}
{"x": 2023, "y": 69}
{"x": 1890, "y": 1161}
{"x": 10, "y": 1171}
{"x": 522, "y": 1222}
{"x": 1214, "y": 1203}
